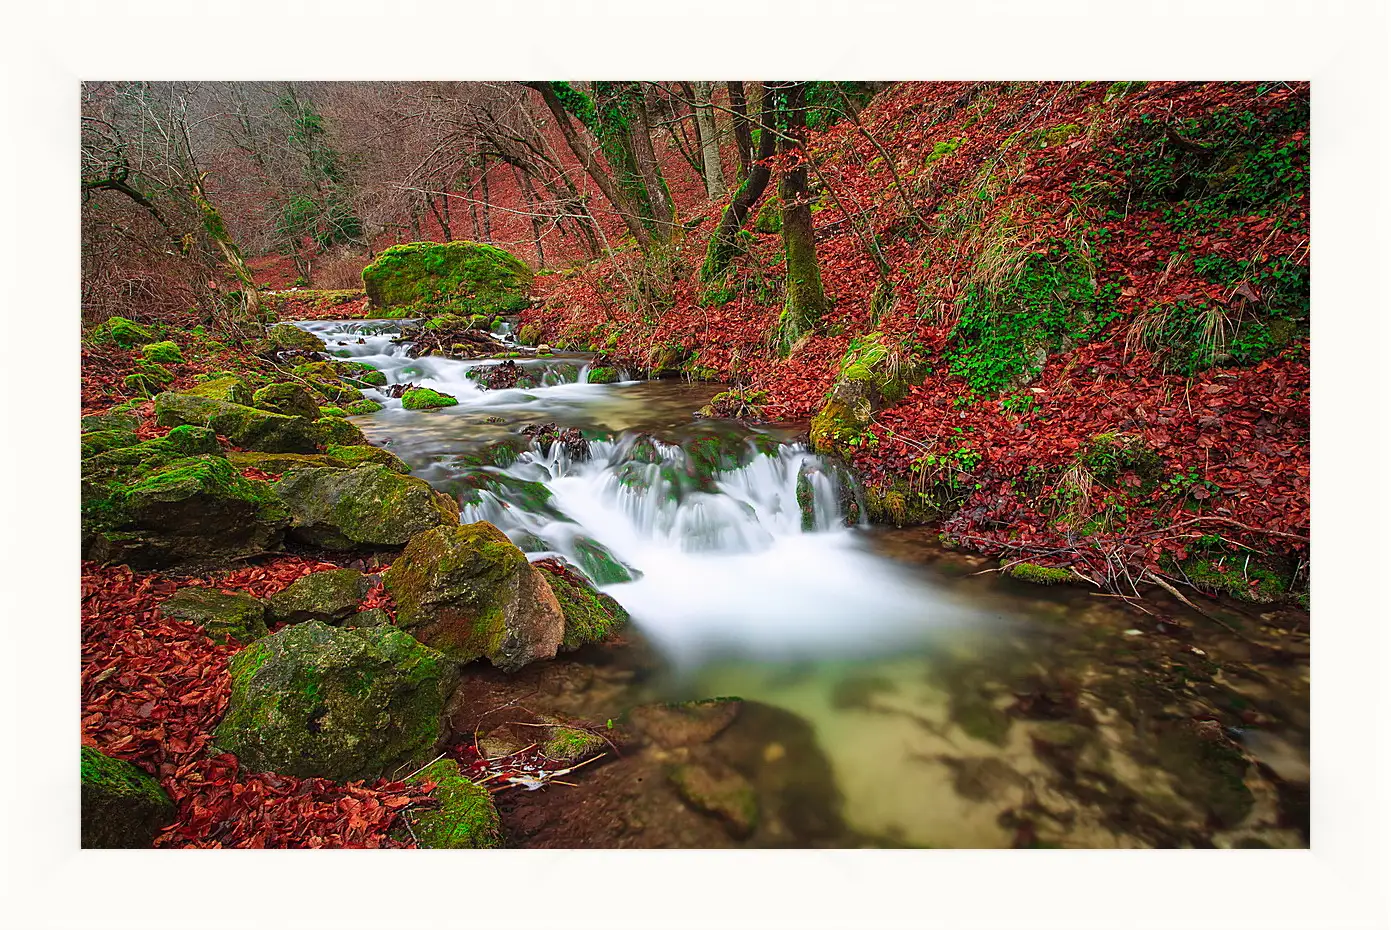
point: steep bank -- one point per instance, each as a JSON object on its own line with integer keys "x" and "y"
{"x": 1100, "y": 289}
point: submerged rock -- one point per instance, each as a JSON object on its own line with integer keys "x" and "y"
{"x": 329, "y": 597}
{"x": 248, "y": 427}
{"x": 316, "y": 700}
{"x": 465, "y": 818}
{"x": 365, "y": 506}
{"x": 238, "y": 618}
{"x": 719, "y": 791}
{"x": 122, "y": 807}
{"x": 687, "y": 723}
{"x": 469, "y": 592}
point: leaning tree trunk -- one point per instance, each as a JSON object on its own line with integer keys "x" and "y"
{"x": 724, "y": 244}
{"x": 640, "y": 129}
{"x": 709, "y": 143}
{"x": 217, "y": 231}
{"x": 806, "y": 300}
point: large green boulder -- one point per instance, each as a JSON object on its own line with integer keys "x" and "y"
{"x": 873, "y": 374}
{"x": 104, "y": 440}
{"x": 228, "y": 387}
{"x": 367, "y": 506}
{"x": 470, "y": 593}
{"x": 288, "y": 398}
{"x": 420, "y": 398}
{"x": 239, "y": 617}
{"x": 163, "y": 353}
{"x": 355, "y": 455}
{"x": 247, "y": 427}
{"x": 336, "y": 431}
{"x": 346, "y": 704}
{"x": 191, "y": 511}
{"x": 465, "y": 817}
{"x": 328, "y": 596}
{"x": 590, "y": 615}
{"x": 289, "y": 337}
{"x": 122, "y": 807}
{"x": 125, "y": 333}
{"x": 464, "y": 277}
{"x": 111, "y": 420}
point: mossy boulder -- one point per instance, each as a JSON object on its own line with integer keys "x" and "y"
{"x": 720, "y": 792}
{"x": 529, "y": 334}
{"x": 590, "y": 616}
{"x": 469, "y": 592}
{"x": 465, "y": 817}
{"x": 363, "y": 407}
{"x": 374, "y": 616}
{"x": 228, "y": 387}
{"x": 336, "y": 431}
{"x": 122, "y": 807}
{"x": 328, "y": 596}
{"x": 602, "y": 375}
{"x": 125, "y": 333}
{"x": 872, "y": 375}
{"x": 148, "y": 378}
{"x": 461, "y": 277}
{"x": 288, "y": 337}
{"x": 239, "y": 617}
{"x": 163, "y": 353}
{"x": 367, "y": 506}
{"x": 104, "y": 440}
{"x": 286, "y": 397}
{"x": 355, "y": 455}
{"x": 769, "y": 218}
{"x": 188, "y": 511}
{"x": 426, "y": 399}
{"x": 111, "y": 420}
{"x": 316, "y": 700}
{"x": 279, "y": 463}
{"x": 568, "y": 745}
{"x": 247, "y": 427}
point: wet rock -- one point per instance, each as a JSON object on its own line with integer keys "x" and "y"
{"x": 599, "y": 563}
{"x": 225, "y": 617}
{"x": 545, "y": 435}
{"x": 122, "y": 807}
{"x": 720, "y": 792}
{"x": 1208, "y": 771}
{"x": 247, "y": 427}
{"x": 469, "y": 592}
{"x": 985, "y": 778}
{"x": 336, "y": 431}
{"x": 354, "y": 455}
{"x": 590, "y": 616}
{"x": 419, "y": 398}
{"x": 289, "y": 337}
{"x": 464, "y": 819}
{"x": 502, "y": 376}
{"x": 684, "y": 724}
{"x": 291, "y": 399}
{"x": 329, "y": 597}
{"x": 316, "y": 700}
{"x": 857, "y": 692}
{"x": 367, "y": 506}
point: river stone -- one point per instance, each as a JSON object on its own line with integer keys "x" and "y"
{"x": 590, "y": 615}
{"x": 224, "y": 617}
{"x": 316, "y": 700}
{"x": 247, "y": 427}
{"x": 469, "y": 592}
{"x": 191, "y": 511}
{"x": 684, "y": 724}
{"x": 122, "y": 807}
{"x": 329, "y": 597}
{"x": 465, "y": 818}
{"x": 289, "y": 337}
{"x": 462, "y": 276}
{"x": 721, "y": 792}
{"x": 288, "y": 398}
{"x": 568, "y": 745}
{"x": 339, "y": 508}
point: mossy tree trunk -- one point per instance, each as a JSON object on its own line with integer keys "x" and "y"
{"x": 743, "y": 137}
{"x": 217, "y": 231}
{"x": 724, "y": 243}
{"x": 806, "y": 299}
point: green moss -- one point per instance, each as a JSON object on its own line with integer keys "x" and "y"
{"x": 238, "y": 618}
{"x": 465, "y": 818}
{"x": 100, "y": 441}
{"x": 164, "y": 353}
{"x": 125, "y": 333}
{"x": 568, "y": 745}
{"x": 289, "y": 337}
{"x": 226, "y": 387}
{"x": 769, "y": 218}
{"x": 248, "y": 427}
{"x": 426, "y": 399}
{"x": 463, "y": 277}
{"x": 590, "y": 615}
{"x": 355, "y": 455}
{"x": 602, "y": 375}
{"x": 529, "y": 334}
{"x": 1244, "y": 577}
{"x": 836, "y": 429}
{"x": 332, "y": 412}
{"x": 122, "y": 807}
{"x": 362, "y": 407}
{"x": 338, "y": 432}
{"x": 1039, "y": 574}
{"x": 366, "y": 506}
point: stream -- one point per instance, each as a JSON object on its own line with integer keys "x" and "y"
{"x": 922, "y": 699}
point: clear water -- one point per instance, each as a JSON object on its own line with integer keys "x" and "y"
{"x": 910, "y": 669}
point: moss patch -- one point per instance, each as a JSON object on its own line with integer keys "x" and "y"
{"x": 122, "y": 807}
{"x": 465, "y": 818}
{"x": 426, "y": 399}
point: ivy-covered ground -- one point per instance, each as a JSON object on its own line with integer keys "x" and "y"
{"x": 1098, "y": 314}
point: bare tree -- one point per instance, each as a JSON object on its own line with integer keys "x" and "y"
{"x": 709, "y": 143}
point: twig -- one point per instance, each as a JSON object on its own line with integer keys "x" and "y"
{"x": 1151, "y": 576}
{"x": 422, "y": 768}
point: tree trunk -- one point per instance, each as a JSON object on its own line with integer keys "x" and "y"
{"x": 640, "y": 130}
{"x": 806, "y": 300}
{"x": 487, "y": 219}
{"x": 533, "y": 208}
{"x": 743, "y": 138}
{"x": 217, "y": 231}
{"x": 709, "y": 143}
{"x": 724, "y": 243}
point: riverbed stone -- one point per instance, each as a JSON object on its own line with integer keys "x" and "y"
{"x": 569, "y": 745}
{"x": 122, "y": 807}
{"x": 247, "y": 427}
{"x": 469, "y": 592}
{"x": 426, "y": 399}
{"x": 367, "y": 506}
{"x": 719, "y": 791}
{"x": 464, "y": 819}
{"x": 225, "y": 617}
{"x": 336, "y": 431}
{"x": 288, "y": 398}
{"x": 328, "y": 596}
{"x": 317, "y": 700}
{"x": 686, "y": 723}
{"x": 111, "y": 420}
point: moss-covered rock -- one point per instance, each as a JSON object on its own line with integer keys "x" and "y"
{"x": 686, "y": 723}
{"x": 189, "y": 511}
{"x": 568, "y": 745}
{"x": 363, "y": 407}
{"x": 228, "y": 387}
{"x": 469, "y": 592}
{"x": 286, "y": 397}
{"x": 163, "y": 353}
{"x": 238, "y": 618}
{"x": 1038, "y": 574}
{"x": 125, "y": 333}
{"x": 465, "y": 818}
{"x": 355, "y": 455}
{"x": 602, "y": 375}
{"x": 327, "y": 390}
{"x": 720, "y": 792}
{"x": 590, "y": 616}
{"x": 374, "y": 616}
{"x": 336, "y": 431}
{"x": 99, "y": 441}
{"x": 289, "y": 337}
{"x": 148, "y": 378}
{"x": 599, "y": 563}
{"x": 193, "y": 440}
{"x": 769, "y": 218}
{"x": 248, "y": 427}
{"x": 279, "y": 463}
{"x": 122, "y": 807}
{"x": 317, "y": 700}
{"x": 328, "y": 596}
{"x": 109, "y": 421}
{"x": 367, "y": 506}
{"x": 462, "y": 277}
{"x": 426, "y": 399}
{"x": 871, "y": 376}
